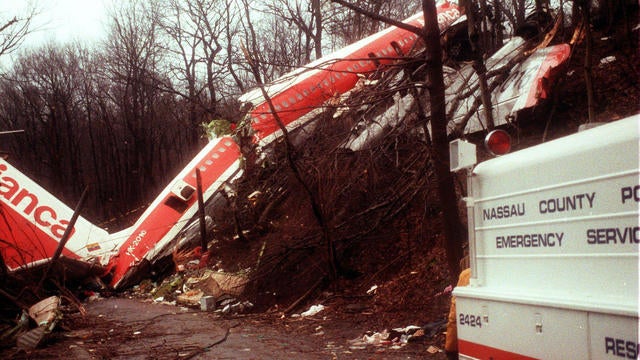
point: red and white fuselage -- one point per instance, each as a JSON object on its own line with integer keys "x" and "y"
{"x": 32, "y": 222}
{"x": 149, "y": 237}
{"x": 298, "y": 93}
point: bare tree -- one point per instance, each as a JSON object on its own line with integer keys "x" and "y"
{"x": 305, "y": 18}
{"x": 345, "y": 27}
{"x": 585, "y": 10}
{"x": 14, "y": 29}
{"x": 473, "y": 26}
{"x": 47, "y": 79}
{"x": 514, "y": 11}
{"x": 286, "y": 36}
{"x": 132, "y": 58}
{"x": 290, "y": 154}
{"x": 439, "y": 145}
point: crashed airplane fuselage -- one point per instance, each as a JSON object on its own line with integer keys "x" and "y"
{"x": 32, "y": 221}
{"x": 299, "y": 95}
{"x": 527, "y": 83}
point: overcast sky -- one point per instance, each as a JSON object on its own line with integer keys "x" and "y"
{"x": 61, "y": 20}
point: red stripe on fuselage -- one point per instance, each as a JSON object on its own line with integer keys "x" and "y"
{"x": 338, "y": 74}
{"x": 162, "y": 218}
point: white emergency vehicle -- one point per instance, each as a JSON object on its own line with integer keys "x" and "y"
{"x": 554, "y": 240}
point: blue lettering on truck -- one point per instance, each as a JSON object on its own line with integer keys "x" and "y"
{"x": 629, "y": 193}
{"x": 621, "y": 348}
{"x": 529, "y": 240}
{"x": 566, "y": 203}
{"x": 503, "y": 211}
{"x": 605, "y": 236}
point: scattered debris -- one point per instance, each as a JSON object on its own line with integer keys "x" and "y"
{"x": 207, "y": 303}
{"x": 398, "y": 337}
{"x": 607, "y": 60}
{"x": 313, "y": 310}
{"x": 45, "y": 314}
{"x": 234, "y": 306}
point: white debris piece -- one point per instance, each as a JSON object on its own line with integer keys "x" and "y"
{"x": 607, "y": 60}
{"x": 372, "y": 130}
{"x": 313, "y": 310}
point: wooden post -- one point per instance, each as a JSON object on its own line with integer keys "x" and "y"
{"x": 65, "y": 237}
{"x": 203, "y": 223}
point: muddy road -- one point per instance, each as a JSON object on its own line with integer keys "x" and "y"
{"x": 122, "y": 328}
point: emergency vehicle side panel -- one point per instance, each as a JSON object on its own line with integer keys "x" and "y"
{"x": 557, "y": 234}
{"x": 562, "y": 240}
{"x": 508, "y": 330}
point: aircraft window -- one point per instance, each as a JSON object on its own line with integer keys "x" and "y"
{"x": 208, "y": 162}
{"x": 285, "y": 103}
{"x": 277, "y": 107}
{"x": 292, "y": 100}
{"x": 215, "y": 156}
{"x": 176, "y": 204}
{"x": 299, "y": 97}
{"x": 222, "y": 150}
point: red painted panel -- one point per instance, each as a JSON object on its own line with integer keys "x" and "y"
{"x": 480, "y": 351}
{"x": 336, "y": 74}
{"x": 161, "y": 220}
{"x": 22, "y": 243}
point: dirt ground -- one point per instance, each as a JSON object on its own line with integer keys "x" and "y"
{"x": 125, "y": 328}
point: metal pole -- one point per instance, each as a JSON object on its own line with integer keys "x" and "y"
{"x": 471, "y": 224}
{"x": 11, "y": 132}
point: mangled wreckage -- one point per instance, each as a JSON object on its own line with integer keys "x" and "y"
{"x": 34, "y": 225}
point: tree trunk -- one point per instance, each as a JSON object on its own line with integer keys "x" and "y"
{"x": 440, "y": 144}
{"x": 317, "y": 14}
{"x": 588, "y": 79}
{"x": 478, "y": 63}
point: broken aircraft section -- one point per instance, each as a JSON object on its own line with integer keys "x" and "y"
{"x": 33, "y": 223}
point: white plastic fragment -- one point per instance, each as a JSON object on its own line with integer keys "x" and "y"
{"x": 607, "y": 60}
{"x": 313, "y": 310}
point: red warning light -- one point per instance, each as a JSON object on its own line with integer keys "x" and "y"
{"x": 498, "y": 142}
